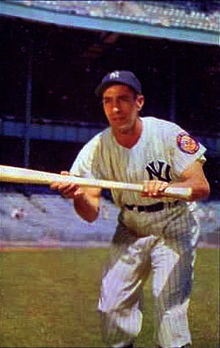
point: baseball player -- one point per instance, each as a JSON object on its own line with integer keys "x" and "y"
{"x": 153, "y": 234}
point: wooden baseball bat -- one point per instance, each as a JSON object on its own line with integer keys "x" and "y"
{"x": 30, "y": 176}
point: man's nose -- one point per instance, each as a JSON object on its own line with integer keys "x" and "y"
{"x": 115, "y": 107}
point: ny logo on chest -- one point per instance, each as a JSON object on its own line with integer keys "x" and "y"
{"x": 158, "y": 170}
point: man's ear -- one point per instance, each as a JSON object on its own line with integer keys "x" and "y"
{"x": 140, "y": 101}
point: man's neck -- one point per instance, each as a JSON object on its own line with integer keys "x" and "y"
{"x": 128, "y": 138}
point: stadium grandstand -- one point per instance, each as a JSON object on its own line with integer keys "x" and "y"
{"x": 202, "y": 15}
{"x": 54, "y": 53}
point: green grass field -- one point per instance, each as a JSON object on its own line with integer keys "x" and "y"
{"x": 49, "y": 299}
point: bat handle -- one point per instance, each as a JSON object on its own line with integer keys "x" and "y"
{"x": 184, "y": 193}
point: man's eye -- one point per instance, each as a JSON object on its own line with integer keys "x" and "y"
{"x": 125, "y": 99}
{"x": 106, "y": 101}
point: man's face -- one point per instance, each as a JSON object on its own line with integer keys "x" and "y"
{"x": 121, "y": 107}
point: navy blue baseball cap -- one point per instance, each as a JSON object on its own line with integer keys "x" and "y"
{"x": 119, "y": 77}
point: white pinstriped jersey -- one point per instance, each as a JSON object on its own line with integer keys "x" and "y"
{"x": 163, "y": 152}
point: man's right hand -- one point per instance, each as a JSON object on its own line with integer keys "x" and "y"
{"x": 86, "y": 200}
{"x": 67, "y": 190}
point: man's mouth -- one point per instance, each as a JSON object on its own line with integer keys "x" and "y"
{"x": 118, "y": 118}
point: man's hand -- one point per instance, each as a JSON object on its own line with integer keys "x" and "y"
{"x": 154, "y": 188}
{"x": 67, "y": 190}
{"x": 85, "y": 200}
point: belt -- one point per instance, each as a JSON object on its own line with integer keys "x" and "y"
{"x": 151, "y": 208}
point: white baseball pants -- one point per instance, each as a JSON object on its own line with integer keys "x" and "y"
{"x": 164, "y": 243}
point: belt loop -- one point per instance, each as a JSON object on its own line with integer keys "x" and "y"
{"x": 173, "y": 204}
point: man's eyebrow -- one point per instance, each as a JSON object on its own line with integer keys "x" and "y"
{"x": 118, "y": 96}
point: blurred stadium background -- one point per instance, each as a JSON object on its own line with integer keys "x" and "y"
{"x": 53, "y": 55}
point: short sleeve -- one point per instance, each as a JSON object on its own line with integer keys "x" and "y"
{"x": 185, "y": 149}
{"x": 86, "y": 162}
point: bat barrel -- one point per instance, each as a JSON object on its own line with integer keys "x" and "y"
{"x": 26, "y": 176}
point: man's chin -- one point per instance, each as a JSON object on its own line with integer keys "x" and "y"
{"x": 124, "y": 129}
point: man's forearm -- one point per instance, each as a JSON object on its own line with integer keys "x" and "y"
{"x": 86, "y": 207}
{"x": 194, "y": 177}
{"x": 200, "y": 190}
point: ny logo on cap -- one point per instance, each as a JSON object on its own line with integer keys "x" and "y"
{"x": 114, "y": 75}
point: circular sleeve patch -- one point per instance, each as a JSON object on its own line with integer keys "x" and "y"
{"x": 187, "y": 143}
